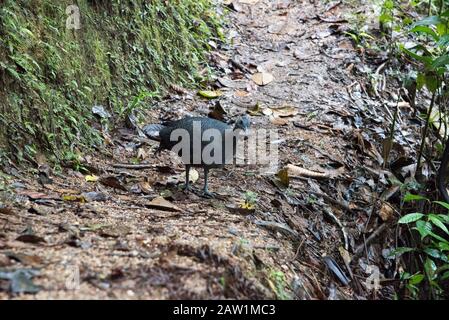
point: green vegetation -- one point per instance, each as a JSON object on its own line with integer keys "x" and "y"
{"x": 421, "y": 47}
{"x": 432, "y": 249}
{"x": 124, "y": 55}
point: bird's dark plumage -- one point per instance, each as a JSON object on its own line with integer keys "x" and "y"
{"x": 202, "y": 140}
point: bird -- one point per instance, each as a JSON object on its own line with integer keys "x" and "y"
{"x": 200, "y": 142}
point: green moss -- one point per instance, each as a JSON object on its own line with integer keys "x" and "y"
{"x": 51, "y": 76}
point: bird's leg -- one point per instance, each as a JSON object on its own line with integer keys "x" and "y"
{"x": 187, "y": 185}
{"x": 206, "y": 191}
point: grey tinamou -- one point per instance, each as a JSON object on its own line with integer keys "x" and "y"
{"x": 200, "y": 142}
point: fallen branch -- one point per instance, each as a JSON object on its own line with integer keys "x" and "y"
{"x": 371, "y": 238}
{"x": 133, "y": 166}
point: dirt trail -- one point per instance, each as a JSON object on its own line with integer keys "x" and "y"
{"x": 124, "y": 248}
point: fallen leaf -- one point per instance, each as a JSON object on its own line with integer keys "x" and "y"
{"x": 210, "y": 94}
{"x": 386, "y": 212}
{"x": 91, "y": 178}
{"x": 218, "y": 112}
{"x": 5, "y": 210}
{"x": 145, "y": 187}
{"x": 231, "y": 83}
{"x": 113, "y": 182}
{"x": 114, "y": 231}
{"x": 279, "y": 121}
{"x": 241, "y": 209}
{"x": 256, "y": 110}
{"x": 283, "y": 177}
{"x": 30, "y": 238}
{"x": 72, "y": 198}
{"x": 25, "y": 259}
{"x": 193, "y": 176}
{"x": 161, "y": 204}
{"x": 241, "y": 93}
{"x": 262, "y": 78}
{"x": 285, "y": 111}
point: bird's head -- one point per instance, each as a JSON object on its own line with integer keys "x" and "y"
{"x": 243, "y": 124}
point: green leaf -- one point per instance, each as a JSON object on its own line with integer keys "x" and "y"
{"x": 440, "y": 62}
{"x": 444, "y": 218}
{"x": 430, "y": 268}
{"x": 425, "y": 59}
{"x": 443, "y": 41}
{"x": 434, "y": 253}
{"x": 429, "y": 21}
{"x": 420, "y": 81}
{"x": 210, "y": 94}
{"x": 432, "y": 82}
{"x": 443, "y": 246}
{"x": 412, "y": 217}
{"x": 399, "y": 251}
{"x": 443, "y": 204}
{"x": 437, "y": 237}
{"x": 445, "y": 276}
{"x": 416, "y": 279}
{"x": 413, "y": 197}
{"x": 427, "y": 30}
{"x": 436, "y": 221}
{"x": 424, "y": 228}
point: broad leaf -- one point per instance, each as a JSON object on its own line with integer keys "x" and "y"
{"x": 440, "y": 62}
{"x": 412, "y": 217}
{"x": 429, "y": 21}
{"x": 436, "y": 221}
{"x": 427, "y": 30}
{"x": 416, "y": 279}
{"x": 434, "y": 253}
{"x": 443, "y": 204}
{"x": 430, "y": 268}
{"x": 424, "y": 228}
{"x": 413, "y": 197}
{"x": 399, "y": 251}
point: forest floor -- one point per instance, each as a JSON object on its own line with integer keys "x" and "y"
{"x": 312, "y": 240}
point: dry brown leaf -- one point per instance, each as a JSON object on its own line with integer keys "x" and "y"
{"x": 262, "y": 78}
{"x": 241, "y": 93}
{"x": 285, "y": 111}
{"x": 279, "y": 121}
{"x": 161, "y": 204}
{"x": 386, "y": 212}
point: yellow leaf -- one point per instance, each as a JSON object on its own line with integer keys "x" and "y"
{"x": 74, "y": 198}
{"x": 91, "y": 178}
{"x": 247, "y": 206}
{"x": 209, "y": 94}
{"x": 283, "y": 177}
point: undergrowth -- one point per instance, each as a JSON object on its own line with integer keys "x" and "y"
{"x": 125, "y": 52}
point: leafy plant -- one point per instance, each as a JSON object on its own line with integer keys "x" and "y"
{"x": 433, "y": 248}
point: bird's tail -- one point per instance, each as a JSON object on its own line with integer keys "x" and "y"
{"x": 152, "y": 131}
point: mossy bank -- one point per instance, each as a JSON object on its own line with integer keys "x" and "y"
{"x": 124, "y": 54}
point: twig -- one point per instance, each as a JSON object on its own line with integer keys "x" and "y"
{"x": 426, "y": 128}
{"x": 332, "y": 200}
{"x": 371, "y": 238}
{"x": 340, "y": 225}
{"x": 133, "y": 166}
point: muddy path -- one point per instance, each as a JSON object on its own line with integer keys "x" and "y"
{"x": 124, "y": 242}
